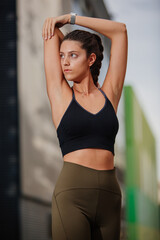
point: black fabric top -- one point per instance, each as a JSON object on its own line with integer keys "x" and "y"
{"x": 79, "y": 128}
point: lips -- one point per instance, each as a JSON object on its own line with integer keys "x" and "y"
{"x": 67, "y": 70}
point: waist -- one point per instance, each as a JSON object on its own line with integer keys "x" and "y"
{"x": 98, "y": 159}
{"x": 74, "y": 176}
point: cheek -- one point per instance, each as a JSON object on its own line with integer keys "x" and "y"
{"x": 80, "y": 70}
{"x": 80, "y": 65}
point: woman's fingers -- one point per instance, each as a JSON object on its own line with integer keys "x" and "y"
{"x": 50, "y": 23}
{"x": 51, "y": 29}
{"x": 48, "y": 28}
{"x": 44, "y": 34}
{"x": 52, "y": 26}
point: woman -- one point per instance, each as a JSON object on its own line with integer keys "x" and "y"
{"x": 86, "y": 202}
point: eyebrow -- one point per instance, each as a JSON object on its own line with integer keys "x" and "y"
{"x": 70, "y": 51}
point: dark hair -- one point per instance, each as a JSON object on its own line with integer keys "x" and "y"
{"x": 92, "y": 44}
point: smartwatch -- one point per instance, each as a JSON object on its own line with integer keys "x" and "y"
{"x": 73, "y": 18}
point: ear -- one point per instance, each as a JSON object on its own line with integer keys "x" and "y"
{"x": 92, "y": 59}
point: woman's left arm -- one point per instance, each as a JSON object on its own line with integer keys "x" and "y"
{"x": 106, "y": 27}
{"x": 117, "y": 33}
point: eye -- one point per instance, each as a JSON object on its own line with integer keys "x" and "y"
{"x": 73, "y": 55}
{"x": 61, "y": 55}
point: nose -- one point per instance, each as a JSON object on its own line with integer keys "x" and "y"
{"x": 66, "y": 61}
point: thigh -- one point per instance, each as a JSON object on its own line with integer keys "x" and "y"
{"x": 105, "y": 233}
{"x": 108, "y": 216}
{"x": 68, "y": 221}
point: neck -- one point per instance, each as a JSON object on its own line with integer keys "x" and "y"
{"x": 84, "y": 88}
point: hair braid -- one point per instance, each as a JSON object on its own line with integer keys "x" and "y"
{"x": 95, "y": 68}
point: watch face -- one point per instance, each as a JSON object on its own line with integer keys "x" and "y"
{"x": 72, "y": 13}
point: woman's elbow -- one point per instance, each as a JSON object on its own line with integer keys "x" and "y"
{"x": 124, "y": 27}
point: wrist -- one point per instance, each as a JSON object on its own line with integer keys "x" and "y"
{"x": 68, "y": 18}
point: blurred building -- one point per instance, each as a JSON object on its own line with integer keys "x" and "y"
{"x": 142, "y": 210}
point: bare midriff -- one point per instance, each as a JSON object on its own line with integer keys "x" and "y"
{"x": 99, "y": 159}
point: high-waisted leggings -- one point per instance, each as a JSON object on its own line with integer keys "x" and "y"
{"x": 86, "y": 204}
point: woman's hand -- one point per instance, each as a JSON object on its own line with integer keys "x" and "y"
{"x": 52, "y": 22}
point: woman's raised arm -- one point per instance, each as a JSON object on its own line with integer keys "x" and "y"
{"x": 117, "y": 33}
{"x": 52, "y": 65}
{"x": 53, "y": 71}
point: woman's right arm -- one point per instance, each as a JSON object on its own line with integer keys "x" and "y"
{"x": 52, "y": 37}
{"x": 52, "y": 65}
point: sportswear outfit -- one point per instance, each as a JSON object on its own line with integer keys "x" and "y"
{"x": 86, "y": 203}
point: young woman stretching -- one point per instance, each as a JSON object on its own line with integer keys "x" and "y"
{"x": 86, "y": 202}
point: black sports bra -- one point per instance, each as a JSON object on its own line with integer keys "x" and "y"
{"x": 79, "y": 128}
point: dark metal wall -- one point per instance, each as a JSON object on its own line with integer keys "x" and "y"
{"x": 9, "y": 151}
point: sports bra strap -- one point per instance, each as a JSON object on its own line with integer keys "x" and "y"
{"x": 103, "y": 92}
{"x": 73, "y": 92}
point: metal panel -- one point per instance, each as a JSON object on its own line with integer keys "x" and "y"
{"x": 9, "y": 151}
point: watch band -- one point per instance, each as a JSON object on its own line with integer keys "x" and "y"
{"x": 73, "y": 18}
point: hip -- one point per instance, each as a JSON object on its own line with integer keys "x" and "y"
{"x": 75, "y": 176}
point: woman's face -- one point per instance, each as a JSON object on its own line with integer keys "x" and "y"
{"x": 74, "y": 62}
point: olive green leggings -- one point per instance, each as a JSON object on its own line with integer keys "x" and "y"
{"x": 86, "y": 204}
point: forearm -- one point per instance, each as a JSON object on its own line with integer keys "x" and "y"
{"x": 106, "y": 27}
{"x": 59, "y": 33}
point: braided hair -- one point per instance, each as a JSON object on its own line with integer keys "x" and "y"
{"x": 92, "y": 44}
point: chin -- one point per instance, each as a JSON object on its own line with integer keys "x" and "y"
{"x": 75, "y": 78}
{"x": 71, "y": 80}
